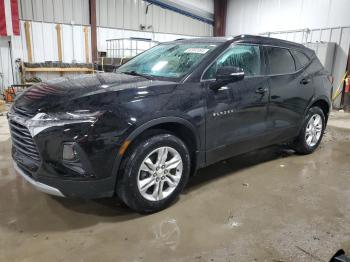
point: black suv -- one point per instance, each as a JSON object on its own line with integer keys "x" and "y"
{"x": 140, "y": 132}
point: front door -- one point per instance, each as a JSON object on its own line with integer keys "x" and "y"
{"x": 236, "y": 112}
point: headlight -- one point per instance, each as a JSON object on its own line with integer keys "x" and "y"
{"x": 42, "y": 121}
{"x": 76, "y": 115}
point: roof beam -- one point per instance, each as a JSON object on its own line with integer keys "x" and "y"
{"x": 185, "y": 9}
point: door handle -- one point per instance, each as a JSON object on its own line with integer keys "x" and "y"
{"x": 305, "y": 81}
{"x": 261, "y": 90}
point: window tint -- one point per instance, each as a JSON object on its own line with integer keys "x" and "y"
{"x": 280, "y": 60}
{"x": 301, "y": 59}
{"x": 246, "y": 57}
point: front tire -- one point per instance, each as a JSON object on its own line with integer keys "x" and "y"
{"x": 312, "y": 131}
{"x": 153, "y": 173}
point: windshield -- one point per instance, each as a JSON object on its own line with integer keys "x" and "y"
{"x": 167, "y": 60}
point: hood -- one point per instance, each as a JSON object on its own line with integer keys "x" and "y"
{"x": 63, "y": 91}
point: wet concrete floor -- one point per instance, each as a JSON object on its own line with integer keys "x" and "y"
{"x": 269, "y": 205}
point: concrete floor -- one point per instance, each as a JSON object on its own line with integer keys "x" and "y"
{"x": 269, "y": 205}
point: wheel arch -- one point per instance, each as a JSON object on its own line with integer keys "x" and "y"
{"x": 178, "y": 126}
{"x": 323, "y": 103}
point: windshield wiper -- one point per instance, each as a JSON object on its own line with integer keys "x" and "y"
{"x": 134, "y": 73}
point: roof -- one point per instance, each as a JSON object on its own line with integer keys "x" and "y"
{"x": 246, "y": 39}
{"x": 204, "y": 40}
{"x": 263, "y": 40}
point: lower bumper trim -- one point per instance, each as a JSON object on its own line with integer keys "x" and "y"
{"x": 39, "y": 186}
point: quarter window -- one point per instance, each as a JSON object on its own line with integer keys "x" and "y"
{"x": 280, "y": 60}
{"x": 301, "y": 59}
{"x": 246, "y": 57}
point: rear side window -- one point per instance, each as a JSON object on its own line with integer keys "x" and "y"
{"x": 301, "y": 59}
{"x": 280, "y": 61}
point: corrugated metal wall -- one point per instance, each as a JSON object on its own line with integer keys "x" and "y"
{"x": 120, "y": 14}
{"x": 131, "y": 15}
{"x": 55, "y": 11}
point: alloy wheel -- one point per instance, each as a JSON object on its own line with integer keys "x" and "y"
{"x": 160, "y": 173}
{"x": 313, "y": 130}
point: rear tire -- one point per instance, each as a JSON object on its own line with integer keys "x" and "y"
{"x": 311, "y": 133}
{"x": 153, "y": 173}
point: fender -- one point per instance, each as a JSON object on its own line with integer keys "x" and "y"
{"x": 312, "y": 101}
{"x": 316, "y": 99}
{"x": 147, "y": 125}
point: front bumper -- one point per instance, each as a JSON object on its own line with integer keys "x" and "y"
{"x": 90, "y": 177}
{"x": 89, "y": 189}
{"x": 39, "y": 186}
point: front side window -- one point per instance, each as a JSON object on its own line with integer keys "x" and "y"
{"x": 246, "y": 57}
{"x": 280, "y": 61}
{"x": 168, "y": 60}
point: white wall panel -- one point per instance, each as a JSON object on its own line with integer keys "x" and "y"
{"x": 257, "y": 16}
{"x": 127, "y": 7}
{"x": 37, "y": 38}
{"x": 50, "y": 36}
{"x": 25, "y": 8}
{"x": 68, "y": 11}
{"x": 103, "y": 17}
{"x": 37, "y": 6}
{"x": 58, "y": 11}
{"x": 48, "y": 14}
{"x": 5, "y": 63}
{"x": 79, "y": 43}
{"x": 111, "y": 17}
{"x": 44, "y": 42}
{"x": 119, "y": 13}
{"x": 141, "y": 13}
{"x": 80, "y": 12}
{"x": 134, "y": 14}
{"x": 22, "y": 39}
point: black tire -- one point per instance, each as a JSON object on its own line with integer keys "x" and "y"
{"x": 127, "y": 184}
{"x": 300, "y": 144}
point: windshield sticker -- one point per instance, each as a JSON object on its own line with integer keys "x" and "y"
{"x": 196, "y": 50}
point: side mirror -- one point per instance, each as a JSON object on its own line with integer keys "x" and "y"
{"x": 229, "y": 74}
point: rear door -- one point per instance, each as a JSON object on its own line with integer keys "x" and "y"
{"x": 290, "y": 93}
{"x": 236, "y": 112}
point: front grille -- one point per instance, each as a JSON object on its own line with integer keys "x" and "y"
{"x": 22, "y": 112}
{"x": 23, "y": 142}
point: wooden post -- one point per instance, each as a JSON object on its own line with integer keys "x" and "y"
{"x": 28, "y": 41}
{"x": 59, "y": 42}
{"x": 87, "y": 51}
